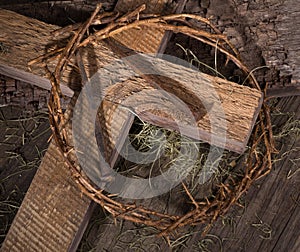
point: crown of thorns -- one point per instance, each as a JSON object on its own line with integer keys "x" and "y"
{"x": 204, "y": 211}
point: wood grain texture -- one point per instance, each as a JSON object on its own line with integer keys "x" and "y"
{"x": 271, "y": 205}
{"x": 24, "y": 39}
{"x": 70, "y": 219}
{"x": 135, "y": 38}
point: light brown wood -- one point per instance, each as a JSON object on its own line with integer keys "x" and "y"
{"x": 200, "y": 93}
{"x": 23, "y": 39}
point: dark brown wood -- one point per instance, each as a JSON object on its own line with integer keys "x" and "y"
{"x": 31, "y": 78}
{"x": 60, "y": 13}
{"x": 24, "y": 95}
{"x": 168, "y": 34}
{"x": 268, "y": 31}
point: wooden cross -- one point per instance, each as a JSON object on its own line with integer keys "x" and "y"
{"x": 44, "y": 221}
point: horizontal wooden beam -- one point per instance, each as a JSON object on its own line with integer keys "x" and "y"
{"x": 218, "y": 108}
{"x": 30, "y": 39}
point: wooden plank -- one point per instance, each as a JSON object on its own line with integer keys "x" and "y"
{"x": 283, "y": 91}
{"x": 240, "y": 104}
{"x": 262, "y": 199}
{"x": 272, "y": 203}
{"x": 118, "y": 130}
{"x": 144, "y": 40}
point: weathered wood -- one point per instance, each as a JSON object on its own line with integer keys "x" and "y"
{"x": 283, "y": 91}
{"x": 240, "y": 104}
{"x": 30, "y": 46}
{"x": 144, "y": 40}
{"x": 103, "y": 56}
{"x": 274, "y": 200}
{"x": 286, "y": 42}
{"x": 23, "y": 39}
{"x": 268, "y": 30}
{"x": 269, "y": 221}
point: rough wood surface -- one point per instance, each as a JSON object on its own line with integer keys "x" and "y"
{"x": 240, "y": 104}
{"x": 268, "y": 222}
{"x": 273, "y": 202}
{"x": 278, "y": 36}
{"x": 15, "y": 92}
{"x": 268, "y": 29}
{"x": 287, "y": 231}
{"x": 23, "y": 39}
{"x": 105, "y": 57}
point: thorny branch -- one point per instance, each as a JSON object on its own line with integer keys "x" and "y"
{"x": 204, "y": 211}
